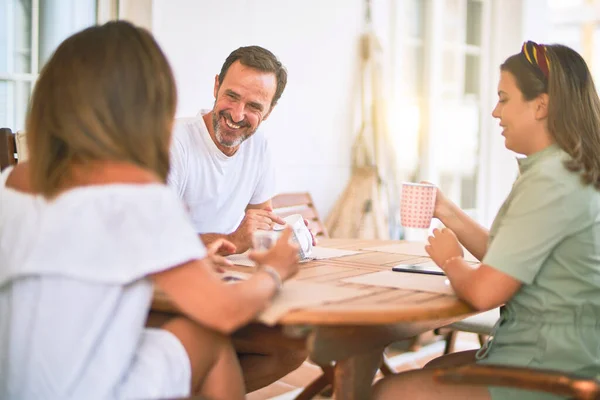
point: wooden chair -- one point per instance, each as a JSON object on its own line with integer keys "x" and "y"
{"x": 13, "y": 147}
{"x": 481, "y": 324}
{"x": 8, "y": 148}
{"x": 21, "y": 146}
{"x": 555, "y": 382}
{"x": 302, "y": 203}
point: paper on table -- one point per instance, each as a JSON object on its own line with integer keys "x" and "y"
{"x": 245, "y": 261}
{"x": 404, "y": 280}
{"x": 322, "y": 253}
{"x": 299, "y": 294}
{"x": 429, "y": 263}
{"x": 318, "y": 253}
{"x": 413, "y": 249}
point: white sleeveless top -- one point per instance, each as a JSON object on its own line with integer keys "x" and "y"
{"x": 74, "y": 287}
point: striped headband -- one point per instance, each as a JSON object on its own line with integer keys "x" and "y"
{"x": 536, "y": 56}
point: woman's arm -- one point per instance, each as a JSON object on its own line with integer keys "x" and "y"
{"x": 201, "y": 294}
{"x": 469, "y": 233}
{"x": 197, "y": 289}
{"x": 482, "y": 286}
{"x": 493, "y": 288}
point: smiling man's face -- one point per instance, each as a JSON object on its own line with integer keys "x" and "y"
{"x": 242, "y": 102}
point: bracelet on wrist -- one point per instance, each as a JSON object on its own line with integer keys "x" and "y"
{"x": 274, "y": 275}
{"x": 448, "y": 261}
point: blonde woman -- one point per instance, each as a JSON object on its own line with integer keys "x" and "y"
{"x": 88, "y": 227}
{"x": 541, "y": 257}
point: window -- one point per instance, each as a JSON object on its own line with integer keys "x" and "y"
{"x": 31, "y": 31}
{"x": 462, "y": 35}
{"x": 18, "y": 60}
{"x": 408, "y": 72}
{"x": 452, "y": 115}
{"x": 577, "y": 24}
{"x": 437, "y": 53}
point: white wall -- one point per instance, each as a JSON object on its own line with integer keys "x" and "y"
{"x": 311, "y": 129}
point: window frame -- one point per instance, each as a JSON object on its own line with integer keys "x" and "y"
{"x": 436, "y": 94}
{"x": 106, "y": 10}
{"x": 20, "y": 77}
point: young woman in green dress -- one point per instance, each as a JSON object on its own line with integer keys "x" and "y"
{"x": 541, "y": 257}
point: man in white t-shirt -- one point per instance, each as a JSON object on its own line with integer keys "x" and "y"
{"x": 221, "y": 167}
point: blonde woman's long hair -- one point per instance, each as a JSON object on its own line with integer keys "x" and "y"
{"x": 106, "y": 94}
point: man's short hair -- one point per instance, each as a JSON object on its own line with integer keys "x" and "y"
{"x": 261, "y": 59}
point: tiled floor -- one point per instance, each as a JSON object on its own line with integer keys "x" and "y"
{"x": 399, "y": 356}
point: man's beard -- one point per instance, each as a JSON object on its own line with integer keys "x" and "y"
{"x": 221, "y": 139}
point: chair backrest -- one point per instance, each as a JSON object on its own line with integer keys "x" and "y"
{"x": 285, "y": 204}
{"x": 21, "y": 146}
{"x": 8, "y": 148}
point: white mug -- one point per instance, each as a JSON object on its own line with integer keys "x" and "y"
{"x": 301, "y": 235}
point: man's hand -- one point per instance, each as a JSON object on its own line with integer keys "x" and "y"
{"x": 213, "y": 250}
{"x": 314, "y": 239}
{"x": 255, "y": 219}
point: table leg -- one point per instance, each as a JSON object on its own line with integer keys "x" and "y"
{"x": 354, "y": 375}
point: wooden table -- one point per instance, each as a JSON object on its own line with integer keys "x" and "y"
{"x": 353, "y": 333}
